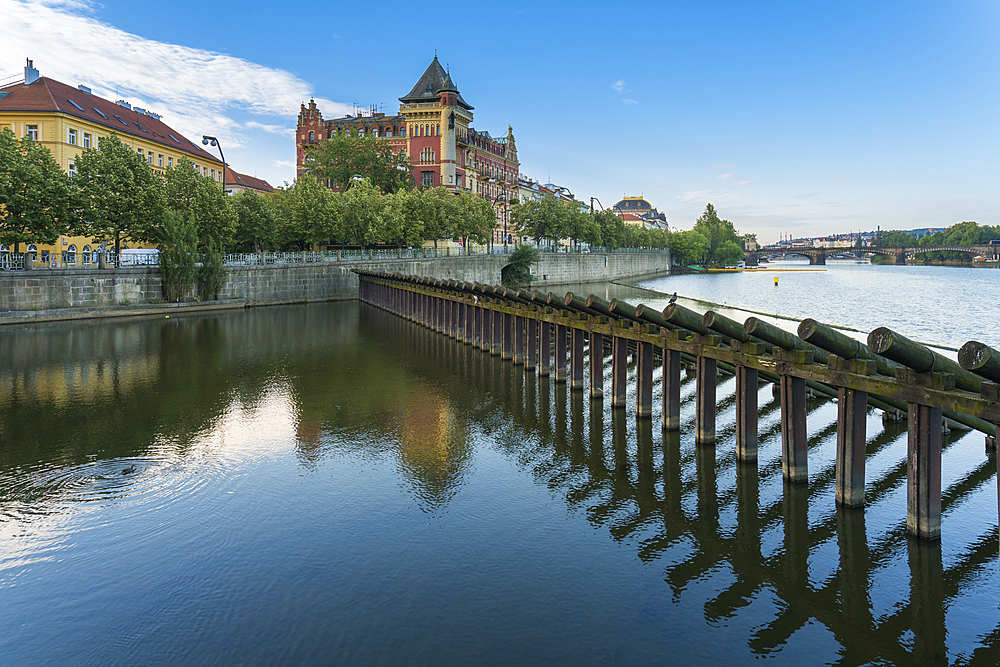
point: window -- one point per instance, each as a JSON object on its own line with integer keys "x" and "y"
{"x": 161, "y": 159}
{"x": 427, "y": 179}
{"x": 388, "y": 132}
{"x": 439, "y": 130}
{"x": 139, "y": 151}
{"x": 402, "y": 132}
{"x": 170, "y": 162}
{"x": 204, "y": 171}
{"x": 75, "y": 104}
{"x": 312, "y": 136}
{"x": 72, "y": 170}
{"x": 99, "y": 113}
{"x": 150, "y": 156}
{"x": 120, "y": 120}
{"x": 86, "y": 140}
{"x": 32, "y": 132}
{"x": 72, "y": 137}
{"x": 213, "y": 174}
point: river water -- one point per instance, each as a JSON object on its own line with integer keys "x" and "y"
{"x": 329, "y": 484}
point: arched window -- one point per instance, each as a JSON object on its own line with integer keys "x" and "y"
{"x": 388, "y": 132}
{"x": 312, "y": 136}
{"x": 402, "y": 132}
{"x": 87, "y": 257}
{"x": 439, "y": 130}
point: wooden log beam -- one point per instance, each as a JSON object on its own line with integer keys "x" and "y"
{"x": 920, "y": 358}
{"x": 829, "y": 339}
{"x": 980, "y": 359}
{"x": 678, "y": 315}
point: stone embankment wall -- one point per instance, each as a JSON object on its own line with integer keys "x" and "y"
{"x": 93, "y": 289}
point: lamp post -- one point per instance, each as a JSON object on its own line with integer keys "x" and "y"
{"x": 503, "y": 195}
{"x": 205, "y": 139}
{"x": 403, "y": 167}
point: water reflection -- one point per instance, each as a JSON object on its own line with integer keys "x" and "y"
{"x": 767, "y": 565}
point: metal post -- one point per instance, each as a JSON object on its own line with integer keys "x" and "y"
{"x": 923, "y": 471}
{"x": 704, "y": 418}
{"x": 560, "y": 363}
{"x": 545, "y": 352}
{"x": 619, "y": 372}
{"x": 746, "y": 413}
{"x": 577, "y": 337}
{"x": 671, "y": 418}
{"x": 519, "y": 340}
{"x": 794, "y": 463}
{"x": 507, "y": 351}
{"x": 596, "y": 366}
{"x": 644, "y": 381}
{"x": 532, "y": 352}
{"x": 852, "y": 418}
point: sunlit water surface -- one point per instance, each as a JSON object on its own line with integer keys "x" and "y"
{"x": 329, "y": 484}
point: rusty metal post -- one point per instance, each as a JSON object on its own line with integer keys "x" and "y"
{"x": 671, "y": 418}
{"x": 923, "y": 471}
{"x": 497, "y": 340}
{"x": 559, "y": 372}
{"x": 507, "y": 352}
{"x": 532, "y": 351}
{"x": 596, "y": 366}
{"x": 852, "y": 421}
{"x": 577, "y": 337}
{"x": 746, "y": 414}
{"x": 545, "y": 352}
{"x": 794, "y": 464}
{"x": 644, "y": 381}
{"x": 477, "y": 330}
{"x": 704, "y": 417}
{"x": 519, "y": 340}
{"x": 619, "y": 372}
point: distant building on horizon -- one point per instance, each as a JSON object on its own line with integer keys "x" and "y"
{"x": 434, "y": 130}
{"x": 638, "y": 211}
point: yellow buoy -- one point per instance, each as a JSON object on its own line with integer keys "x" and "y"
{"x": 168, "y": 317}
{"x": 776, "y": 281}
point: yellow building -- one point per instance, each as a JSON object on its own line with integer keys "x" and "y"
{"x": 68, "y": 120}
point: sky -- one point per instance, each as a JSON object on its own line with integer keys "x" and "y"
{"x": 791, "y": 118}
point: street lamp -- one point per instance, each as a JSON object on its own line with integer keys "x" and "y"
{"x": 205, "y": 139}
{"x": 503, "y": 195}
{"x": 403, "y": 167}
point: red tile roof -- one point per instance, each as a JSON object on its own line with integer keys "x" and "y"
{"x": 49, "y": 96}
{"x": 238, "y": 180}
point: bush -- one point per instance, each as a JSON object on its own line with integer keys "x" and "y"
{"x": 179, "y": 242}
{"x": 518, "y": 270}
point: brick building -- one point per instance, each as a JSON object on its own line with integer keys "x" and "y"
{"x": 434, "y": 129}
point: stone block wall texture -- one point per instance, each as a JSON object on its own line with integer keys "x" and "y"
{"x": 262, "y": 285}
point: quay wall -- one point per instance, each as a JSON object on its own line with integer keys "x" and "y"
{"x": 36, "y": 295}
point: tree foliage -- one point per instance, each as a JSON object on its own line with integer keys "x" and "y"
{"x": 37, "y": 202}
{"x": 256, "y": 222}
{"x": 201, "y": 200}
{"x": 723, "y": 244}
{"x": 178, "y": 247}
{"x": 120, "y": 195}
{"x": 518, "y": 271}
{"x": 342, "y": 156}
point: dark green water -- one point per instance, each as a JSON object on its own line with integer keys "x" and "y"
{"x": 328, "y": 484}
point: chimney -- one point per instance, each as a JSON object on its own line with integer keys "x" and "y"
{"x": 30, "y": 73}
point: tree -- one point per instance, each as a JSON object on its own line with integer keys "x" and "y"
{"x": 474, "y": 218}
{"x": 119, "y": 194}
{"x": 687, "y": 247}
{"x": 365, "y": 214}
{"x": 342, "y": 156}
{"x": 308, "y": 215}
{"x": 722, "y": 240}
{"x": 518, "y": 270}
{"x": 439, "y": 208}
{"x": 612, "y": 229}
{"x": 256, "y": 221}
{"x": 201, "y": 199}
{"x": 178, "y": 247}
{"x": 544, "y": 218}
{"x": 37, "y": 201}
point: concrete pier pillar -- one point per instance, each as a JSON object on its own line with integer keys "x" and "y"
{"x": 704, "y": 417}
{"x": 852, "y": 420}
{"x": 671, "y": 417}
{"x": 596, "y": 366}
{"x": 545, "y": 349}
{"x": 923, "y": 471}
{"x": 746, "y": 414}
{"x": 577, "y": 338}
{"x": 644, "y": 381}
{"x": 619, "y": 372}
{"x": 794, "y": 463}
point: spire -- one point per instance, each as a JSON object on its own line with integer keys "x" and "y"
{"x": 434, "y": 81}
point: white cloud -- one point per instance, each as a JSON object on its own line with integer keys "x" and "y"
{"x": 628, "y": 101}
{"x": 196, "y": 91}
{"x": 618, "y": 85}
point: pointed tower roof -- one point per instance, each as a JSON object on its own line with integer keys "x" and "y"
{"x": 434, "y": 81}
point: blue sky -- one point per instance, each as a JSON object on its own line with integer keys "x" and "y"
{"x": 800, "y": 118}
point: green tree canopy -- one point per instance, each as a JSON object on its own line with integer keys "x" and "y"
{"x": 366, "y": 215}
{"x": 37, "y": 202}
{"x": 723, "y": 245}
{"x": 120, "y": 195}
{"x": 342, "y": 156}
{"x": 546, "y": 217}
{"x": 687, "y": 247}
{"x": 201, "y": 200}
{"x": 256, "y": 221}
{"x": 308, "y": 215}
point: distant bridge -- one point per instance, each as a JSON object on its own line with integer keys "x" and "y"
{"x": 818, "y": 256}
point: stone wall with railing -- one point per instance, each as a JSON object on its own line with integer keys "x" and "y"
{"x": 274, "y": 278}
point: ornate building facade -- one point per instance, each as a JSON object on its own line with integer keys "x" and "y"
{"x": 434, "y": 130}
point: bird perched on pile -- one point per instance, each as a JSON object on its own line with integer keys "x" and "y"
{"x": 673, "y": 298}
